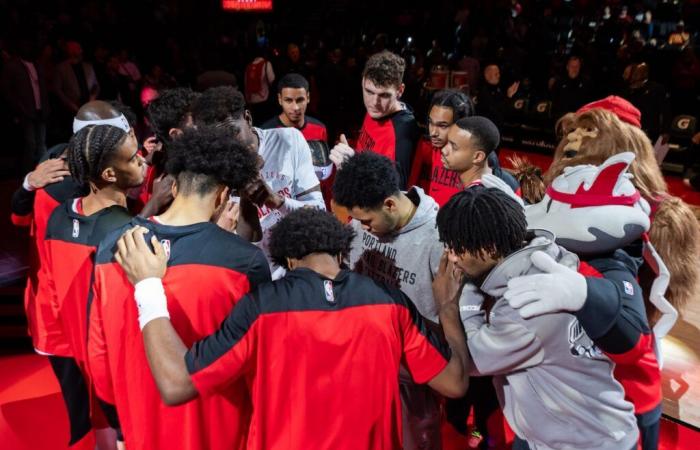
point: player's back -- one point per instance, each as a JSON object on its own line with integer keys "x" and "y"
{"x": 70, "y": 244}
{"x": 326, "y": 356}
{"x": 209, "y": 269}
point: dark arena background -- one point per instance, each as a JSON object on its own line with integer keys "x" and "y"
{"x": 550, "y": 58}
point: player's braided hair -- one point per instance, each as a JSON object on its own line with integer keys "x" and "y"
{"x": 91, "y": 149}
{"x": 460, "y": 103}
{"x": 482, "y": 221}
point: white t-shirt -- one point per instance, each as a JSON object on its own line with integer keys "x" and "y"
{"x": 288, "y": 171}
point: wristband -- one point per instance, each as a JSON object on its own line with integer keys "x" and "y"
{"x": 150, "y": 300}
{"x": 26, "y": 185}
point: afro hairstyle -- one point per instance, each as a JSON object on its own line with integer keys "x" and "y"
{"x": 306, "y": 231}
{"x": 203, "y": 158}
{"x": 169, "y": 110}
{"x": 217, "y": 105}
{"x": 365, "y": 181}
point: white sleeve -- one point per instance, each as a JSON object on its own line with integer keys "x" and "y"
{"x": 304, "y": 174}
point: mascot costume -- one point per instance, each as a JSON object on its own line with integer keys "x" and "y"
{"x": 596, "y": 212}
{"x": 610, "y": 126}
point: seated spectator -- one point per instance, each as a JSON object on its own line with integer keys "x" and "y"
{"x": 572, "y": 91}
{"x": 492, "y": 99}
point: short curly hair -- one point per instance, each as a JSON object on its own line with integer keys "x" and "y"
{"x": 203, "y": 158}
{"x": 306, "y": 231}
{"x": 385, "y": 69}
{"x": 218, "y": 104}
{"x": 169, "y": 110}
{"x": 365, "y": 181}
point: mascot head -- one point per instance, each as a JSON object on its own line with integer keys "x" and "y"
{"x": 593, "y": 209}
{"x": 601, "y": 129}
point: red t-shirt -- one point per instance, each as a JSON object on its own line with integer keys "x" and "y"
{"x": 394, "y": 136}
{"x": 209, "y": 269}
{"x": 429, "y": 173}
{"x": 322, "y": 358}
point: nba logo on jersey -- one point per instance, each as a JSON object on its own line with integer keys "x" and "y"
{"x": 76, "y": 228}
{"x": 166, "y": 247}
{"x": 629, "y": 289}
{"x": 328, "y": 288}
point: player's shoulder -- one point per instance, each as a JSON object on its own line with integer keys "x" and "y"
{"x": 272, "y": 123}
{"x": 314, "y": 121}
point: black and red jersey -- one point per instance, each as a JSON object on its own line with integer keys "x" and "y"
{"x": 394, "y": 136}
{"x": 312, "y": 130}
{"x": 614, "y": 317}
{"x": 322, "y": 358}
{"x": 429, "y": 173}
{"x": 33, "y": 209}
{"x": 209, "y": 269}
{"x": 71, "y": 241}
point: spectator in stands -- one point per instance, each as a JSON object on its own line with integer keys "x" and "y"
{"x": 23, "y": 88}
{"x": 572, "y": 91}
{"x": 649, "y": 97}
{"x": 492, "y": 100}
{"x": 259, "y": 77}
{"x": 74, "y": 82}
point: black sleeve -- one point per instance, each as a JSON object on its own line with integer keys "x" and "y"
{"x": 110, "y": 412}
{"x": 407, "y": 134}
{"x": 22, "y": 202}
{"x": 258, "y": 270}
{"x": 614, "y": 316}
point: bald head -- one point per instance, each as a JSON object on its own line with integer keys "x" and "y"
{"x": 96, "y": 110}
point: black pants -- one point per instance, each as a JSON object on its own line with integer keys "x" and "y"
{"x": 481, "y": 395}
{"x": 75, "y": 395}
{"x": 649, "y": 425}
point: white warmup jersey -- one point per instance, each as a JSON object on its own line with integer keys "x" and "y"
{"x": 288, "y": 171}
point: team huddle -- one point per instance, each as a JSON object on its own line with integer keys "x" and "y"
{"x": 227, "y": 286}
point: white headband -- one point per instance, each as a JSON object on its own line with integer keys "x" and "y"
{"x": 119, "y": 122}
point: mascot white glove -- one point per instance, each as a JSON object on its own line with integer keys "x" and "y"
{"x": 557, "y": 289}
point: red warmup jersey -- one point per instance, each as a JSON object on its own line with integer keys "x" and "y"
{"x": 629, "y": 341}
{"x": 429, "y": 173}
{"x": 322, "y": 358}
{"x": 71, "y": 242}
{"x": 46, "y": 336}
{"x": 209, "y": 269}
{"x": 313, "y": 129}
{"x": 395, "y": 137}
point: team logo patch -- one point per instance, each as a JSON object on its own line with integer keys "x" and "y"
{"x": 76, "y": 228}
{"x": 629, "y": 289}
{"x": 166, "y": 247}
{"x": 328, "y": 289}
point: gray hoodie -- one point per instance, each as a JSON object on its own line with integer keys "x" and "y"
{"x": 407, "y": 259}
{"x": 555, "y": 387}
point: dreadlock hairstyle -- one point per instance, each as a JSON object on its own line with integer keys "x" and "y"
{"x": 91, "y": 149}
{"x": 482, "y": 221}
{"x": 459, "y": 102}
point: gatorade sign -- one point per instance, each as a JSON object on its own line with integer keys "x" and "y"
{"x": 246, "y": 5}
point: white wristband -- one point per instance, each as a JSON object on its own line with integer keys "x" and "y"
{"x": 150, "y": 300}
{"x": 27, "y": 185}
